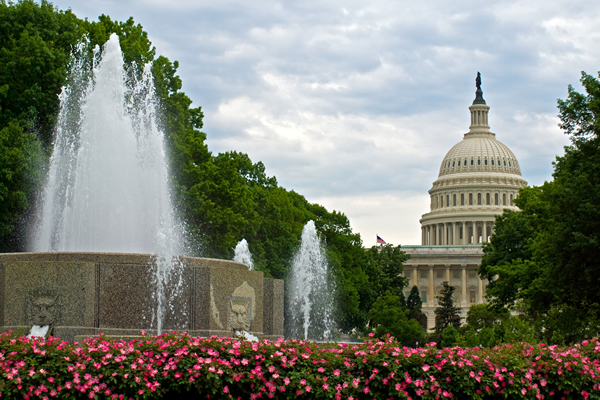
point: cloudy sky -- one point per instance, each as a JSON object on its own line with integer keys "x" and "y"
{"x": 354, "y": 104}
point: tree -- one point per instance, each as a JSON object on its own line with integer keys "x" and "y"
{"x": 20, "y": 161}
{"x": 389, "y": 316}
{"x": 446, "y": 314}
{"x": 549, "y": 268}
{"x": 484, "y": 315}
{"x": 414, "y": 305}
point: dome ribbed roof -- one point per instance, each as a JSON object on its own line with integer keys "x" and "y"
{"x": 477, "y": 153}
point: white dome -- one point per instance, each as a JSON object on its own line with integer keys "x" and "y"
{"x": 479, "y": 153}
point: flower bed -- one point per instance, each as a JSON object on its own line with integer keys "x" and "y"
{"x": 176, "y": 365}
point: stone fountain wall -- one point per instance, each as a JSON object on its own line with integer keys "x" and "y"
{"x": 84, "y": 294}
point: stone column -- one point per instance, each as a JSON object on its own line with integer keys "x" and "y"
{"x": 464, "y": 238}
{"x": 480, "y": 295}
{"x": 454, "y": 241}
{"x": 423, "y": 235}
{"x": 484, "y": 232}
{"x": 444, "y": 236}
{"x": 415, "y": 276}
{"x": 464, "y": 283}
{"x": 448, "y": 273}
{"x": 431, "y": 287}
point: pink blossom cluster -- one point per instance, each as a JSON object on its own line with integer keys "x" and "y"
{"x": 226, "y": 368}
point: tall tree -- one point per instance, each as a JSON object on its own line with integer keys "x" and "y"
{"x": 550, "y": 267}
{"x": 414, "y": 305}
{"x": 447, "y": 313}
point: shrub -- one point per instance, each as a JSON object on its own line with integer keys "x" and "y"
{"x": 180, "y": 366}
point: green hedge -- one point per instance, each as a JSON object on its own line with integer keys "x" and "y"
{"x": 180, "y": 366}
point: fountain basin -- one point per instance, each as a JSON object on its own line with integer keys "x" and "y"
{"x": 85, "y": 294}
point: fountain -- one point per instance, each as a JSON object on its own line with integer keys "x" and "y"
{"x": 107, "y": 245}
{"x": 310, "y": 291}
{"x": 242, "y": 254}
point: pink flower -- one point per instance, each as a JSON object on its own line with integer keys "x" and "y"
{"x": 325, "y": 386}
{"x": 226, "y": 389}
{"x": 308, "y": 388}
{"x": 366, "y": 390}
{"x": 425, "y": 367}
{"x": 336, "y": 372}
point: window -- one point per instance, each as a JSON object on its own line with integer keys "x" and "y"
{"x": 440, "y": 274}
{"x": 485, "y": 162}
{"x": 465, "y": 164}
{"x": 492, "y": 162}
{"x": 504, "y": 199}
{"x": 456, "y": 274}
{"x": 478, "y": 199}
{"x": 471, "y": 161}
{"x": 505, "y": 163}
{"x": 511, "y": 200}
{"x": 441, "y": 201}
{"x": 423, "y": 296}
{"x": 471, "y": 296}
{"x": 496, "y": 199}
{"x": 406, "y": 294}
{"x": 470, "y": 199}
{"x": 509, "y": 164}
{"x": 487, "y": 199}
{"x": 447, "y": 200}
{"x": 462, "y": 199}
{"x": 453, "y": 162}
{"x": 459, "y": 163}
{"x": 460, "y": 233}
{"x": 478, "y": 162}
{"x": 454, "y": 200}
{"x": 423, "y": 274}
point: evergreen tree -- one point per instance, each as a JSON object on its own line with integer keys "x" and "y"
{"x": 446, "y": 314}
{"x": 414, "y": 304}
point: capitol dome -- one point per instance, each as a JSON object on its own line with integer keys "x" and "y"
{"x": 479, "y": 177}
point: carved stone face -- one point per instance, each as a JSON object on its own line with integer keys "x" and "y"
{"x": 238, "y": 315}
{"x": 42, "y": 308}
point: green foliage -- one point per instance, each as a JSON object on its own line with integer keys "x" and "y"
{"x": 35, "y": 47}
{"x": 488, "y": 326}
{"x": 484, "y": 315}
{"x": 389, "y": 316}
{"x": 449, "y": 336}
{"x": 20, "y": 160}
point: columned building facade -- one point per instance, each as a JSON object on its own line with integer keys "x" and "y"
{"x": 478, "y": 178}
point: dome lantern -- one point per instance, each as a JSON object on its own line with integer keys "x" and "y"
{"x": 479, "y": 112}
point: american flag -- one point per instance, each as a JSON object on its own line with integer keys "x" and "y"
{"x": 380, "y": 240}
